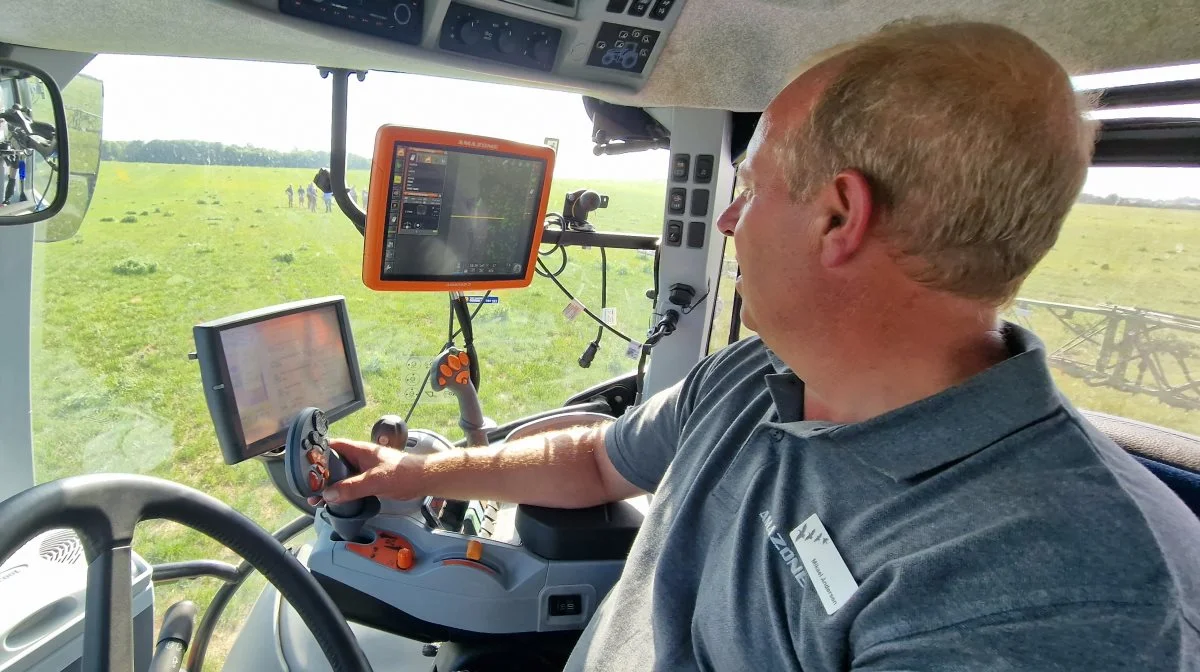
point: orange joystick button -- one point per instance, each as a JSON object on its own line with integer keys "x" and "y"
{"x": 404, "y": 558}
{"x": 453, "y": 362}
{"x": 474, "y": 550}
{"x": 464, "y": 359}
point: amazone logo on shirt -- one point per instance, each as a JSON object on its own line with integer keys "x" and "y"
{"x": 794, "y": 565}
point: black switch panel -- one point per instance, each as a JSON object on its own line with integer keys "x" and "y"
{"x": 695, "y": 234}
{"x": 566, "y": 605}
{"x": 680, "y": 167}
{"x": 699, "y": 202}
{"x": 617, "y": 6}
{"x": 704, "y": 168}
{"x": 661, "y": 9}
{"x": 496, "y": 37}
{"x": 399, "y": 20}
{"x": 625, "y": 48}
{"x": 674, "y": 233}
{"x": 677, "y": 201}
{"x": 639, "y": 7}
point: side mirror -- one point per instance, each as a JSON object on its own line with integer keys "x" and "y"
{"x": 34, "y": 157}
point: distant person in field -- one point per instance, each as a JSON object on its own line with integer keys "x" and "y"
{"x": 353, "y": 194}
{"x": 328, "y": 201}
{"x": 312, "y": 198}
{"x": 291, "y": 197}
{"x": 364, "y": 199}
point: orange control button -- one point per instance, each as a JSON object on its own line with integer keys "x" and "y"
{"x": 474, "y": 550}
{"x": 453, "y": 362}
{"x": 441, "y": 381}
{"x": 313, "y": 455}
{"x": 463, "y": 377}
{"x": 446, "y": 370}
{"x": 315, "y": 482}
{"x": 464, "y": 359}
{"x": 404, "y": 558}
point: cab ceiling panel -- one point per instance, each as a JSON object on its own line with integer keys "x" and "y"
{"x": 730, "y": 54}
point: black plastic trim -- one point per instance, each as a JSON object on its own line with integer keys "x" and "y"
{"x": 604, "y": 532}
{"x": 1148, "y": 142}
{"x": 371, "y": 611}
{"x": 1179, "y": 92}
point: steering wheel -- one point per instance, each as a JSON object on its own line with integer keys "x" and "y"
{"x": 104, "y": 508}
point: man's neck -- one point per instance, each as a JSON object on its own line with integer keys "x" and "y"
{"x": 885, "y": 370}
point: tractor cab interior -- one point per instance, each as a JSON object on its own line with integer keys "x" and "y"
{"x": 179, "y": 340}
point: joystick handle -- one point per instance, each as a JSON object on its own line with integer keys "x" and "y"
{"x": 390, "y": 431}
{"x": 312, "y": 465}
{"x": 452, "y": 371}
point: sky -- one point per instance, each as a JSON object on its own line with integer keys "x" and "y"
{"x": 287, "y": 106}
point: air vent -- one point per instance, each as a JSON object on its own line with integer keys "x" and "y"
{"x": 11, "y": 572}
{"x": 62, "y": 548}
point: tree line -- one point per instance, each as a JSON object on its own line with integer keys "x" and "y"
{"x": 195, "y": 152}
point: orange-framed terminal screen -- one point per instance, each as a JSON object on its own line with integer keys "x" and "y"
{"x": 449, "y": 211}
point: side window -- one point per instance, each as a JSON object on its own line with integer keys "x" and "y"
{"x": 726, "y": 321}
{"x": 1115, "y": 300}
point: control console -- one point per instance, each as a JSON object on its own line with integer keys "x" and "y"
{"x": 496, "y": 37}
{"x": 399, "y": 20}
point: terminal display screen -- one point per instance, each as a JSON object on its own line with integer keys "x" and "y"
{"x": 261, "y": 369}
{"x": 460, "y": 214}
{"x": 279, "y": 367}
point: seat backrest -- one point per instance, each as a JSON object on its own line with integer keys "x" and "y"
{"x": 1172, "y": 456}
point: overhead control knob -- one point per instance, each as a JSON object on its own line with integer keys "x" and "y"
{"x": 470, "y": 32}
{"x": 402, "y": 13}
{"x": 540, "y": 48}
{"x": 507, "y": 42}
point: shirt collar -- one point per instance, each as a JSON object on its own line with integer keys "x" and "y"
{"x": 946, "y": 427}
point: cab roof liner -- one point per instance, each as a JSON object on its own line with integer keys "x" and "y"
{"x": 726, "y": 54}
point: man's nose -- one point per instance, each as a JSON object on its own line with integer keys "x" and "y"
{"x": 729, "y": 217}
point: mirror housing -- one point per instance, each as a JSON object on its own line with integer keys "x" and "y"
{"x": 31, "y": 145}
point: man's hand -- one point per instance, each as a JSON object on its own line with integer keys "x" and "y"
{"x": 384, "y": 472}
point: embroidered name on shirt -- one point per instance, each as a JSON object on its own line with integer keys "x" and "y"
{"x": 826, "y": 569}
{"x": 793, "y": 562}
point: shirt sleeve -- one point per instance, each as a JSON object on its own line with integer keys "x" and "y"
{"x": 643, "y": 441}
{"x": 1090, "y": 636}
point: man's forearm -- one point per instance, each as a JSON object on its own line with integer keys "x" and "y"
{"x": 556, "y": 469}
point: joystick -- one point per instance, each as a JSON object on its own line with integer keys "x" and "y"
{"x": 313, "y": 466}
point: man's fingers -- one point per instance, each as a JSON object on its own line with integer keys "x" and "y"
{"x": 368, "y": 483}
{"x": 362, "y": 455}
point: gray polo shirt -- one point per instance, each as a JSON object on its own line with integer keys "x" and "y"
{"x": 987, "y": 527}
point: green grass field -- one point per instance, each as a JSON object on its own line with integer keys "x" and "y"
{"x": 114, "y": 308}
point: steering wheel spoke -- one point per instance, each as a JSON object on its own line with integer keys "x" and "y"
{"x": 108, "y": 614}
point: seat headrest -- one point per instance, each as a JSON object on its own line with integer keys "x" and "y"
{"x": 1151, "y": 441}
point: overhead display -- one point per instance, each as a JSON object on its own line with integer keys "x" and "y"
{"x": 453, "y": 211}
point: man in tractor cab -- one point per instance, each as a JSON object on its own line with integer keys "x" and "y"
{"x": 888, "y": 477}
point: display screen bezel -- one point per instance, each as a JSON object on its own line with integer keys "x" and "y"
{"x": 218, "y": 385}
{"x": 382, "y": 166}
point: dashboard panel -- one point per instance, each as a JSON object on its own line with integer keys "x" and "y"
{"x": 615, "y": 42}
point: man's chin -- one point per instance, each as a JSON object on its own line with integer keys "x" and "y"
{"x": 747, "y": 319}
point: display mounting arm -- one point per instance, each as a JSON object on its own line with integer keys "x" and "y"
{"x": 337, "y": 144}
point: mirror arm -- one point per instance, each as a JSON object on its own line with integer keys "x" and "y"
{"x": 337, "y": 145}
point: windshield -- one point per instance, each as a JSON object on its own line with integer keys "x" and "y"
{"x": 202, "y": 210}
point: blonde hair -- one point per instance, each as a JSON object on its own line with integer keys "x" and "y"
{"x": 972, "y": 139}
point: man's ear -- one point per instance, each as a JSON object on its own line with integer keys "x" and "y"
{"x": 846, "y": 206}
